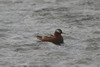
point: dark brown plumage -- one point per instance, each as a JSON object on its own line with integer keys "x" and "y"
{"x": 56, "y": 38}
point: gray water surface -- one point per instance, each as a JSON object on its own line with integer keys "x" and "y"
{"x": 22, "y": 20}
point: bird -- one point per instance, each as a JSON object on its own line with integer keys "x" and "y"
{"x": 56, "y": 38}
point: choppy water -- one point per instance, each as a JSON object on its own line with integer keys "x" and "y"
{"x": 22, "y": 20}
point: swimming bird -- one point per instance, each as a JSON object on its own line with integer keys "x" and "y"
{"x": 56, "y": 38}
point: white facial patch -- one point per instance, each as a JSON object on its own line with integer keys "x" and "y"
{"x": 58, "y": 31}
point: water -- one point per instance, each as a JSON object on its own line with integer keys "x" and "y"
{"x": 22, "y": 20}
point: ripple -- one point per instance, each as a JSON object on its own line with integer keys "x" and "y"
{"x": 53, "y": 9}
{"x": 3, "y": 35}
{"x": 18, "y": 2}
{"x": 96, "y": 32}
{"x": 93, "y": 46}
{"x": 21, "y": 49}
{"x": 89, "y": 40}
{"x": 84, "y": 61}
{"x": 50, "y": 12}
{"x": 70, "y": 37}
{"x": 4, "y": 30}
